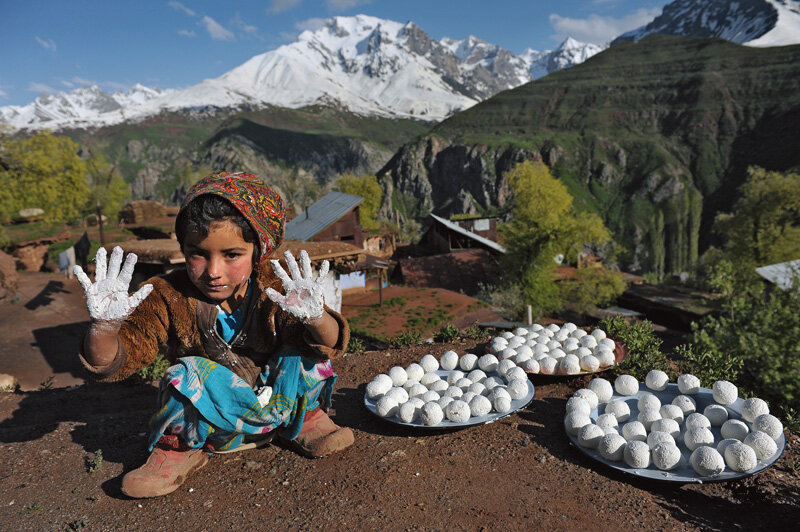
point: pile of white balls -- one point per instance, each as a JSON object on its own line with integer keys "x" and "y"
{"x": 471, "y": 386}
{"x": 658, "y": 432}
{"x": 554, "y": 350}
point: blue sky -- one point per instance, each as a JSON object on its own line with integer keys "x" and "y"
{"x": 58, "y": 45}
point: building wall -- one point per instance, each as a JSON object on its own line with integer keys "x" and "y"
{"x": 345, "y": 229}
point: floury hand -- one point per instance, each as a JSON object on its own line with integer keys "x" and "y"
{"x": 304, "y": 294}
{"x": 107, "y": 298}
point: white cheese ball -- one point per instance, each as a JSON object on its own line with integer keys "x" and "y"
{"x": 492, "y": 382}
{"x": 467, "y": 397}
{"x": 570, "y": 345}
{"x": 399, "y": 394}
{"x": 602, "y": 389}
{"x": 671, "y": 412}
{"x": 696, "y": 420}
{"x": 455, "y": 376}
{"x": 608, "y": 429}
{"x": 458, "y": 411}
{"x": 754, "y": 407}
{"x": 590, "y": 363}
{"x": 429, "y": 363}
{"x": 558, "y": 354}
{"x": 503, "y": 366}
{"x": 464, "y": 383}
{"x": 605, "y": 358}
{"x": 688, "y": 384}
{"x": 449, "y": 360}
{"x": 707, "y": 462}
{"x": 506, "y": 353}
{"x": 530, "y": 366}
{"x": 408, "y": 384}
{"x": 498, "y": 343}
{"x": 579, "y": 404}
{"x": 666, "y": 456}
{"x": 582, "y": 352}
{"x": 428, "y": 379}
{"x": 553, "y": 327}
{"x": 734, "y": 429}
{"x": 648, "y": 400}
{"x": 561, "y": 335}
{"x": 657, "y": 436}
{"x": 415, "y": 372}
{"x": 517, "y": 389}
{"x": 417, "y": 390}
{"x": 619, "y": 408}
{"x": 398, "y": 376}
{"x": 386, "y": 406}
{"x": 539, "y": 356}
{"x": 769, "y": 424}
{"x": 547, "y": 366}
{"x": 468, "y": 361}
{"x": 573, "y": 422}
{"x": 553, "y": 344}
{"x": 539, "y": 349}
{"x": 721, "y": 446}
{"x": 488, "y": 363}
{"x": 762, "y": 444}
{"x": 444, "y": 401}
{"x": 634, "y": 431}
{"x": 480, "y": 406}
{"x": 430, "y": 395}
{"x": 612, "y": 447}
{"x": 408, "y": 412}
{"x": 626, "y": 385}
{"x": 521, "y": 358}
{"x": 569, "y": 365}
{"x": 499, "y": 391}
{"x": 588, "y": 341}
{"x": 431, "y": 414}
{"x": 454, "y": 391}
{"x": 377, "y": 388}
{"x": 515, "y": 342}
{"x": 716, "y": 414}
{"x": 416, "y": 401}
{"x": 589, "y": 395}
{"x": 598, "y": 334}
{"x": 439, "y": 386}
{"x": 478, "y": 388}
{"x": 507, "y": 335}
{"x": 589, "y": 436}
{"x": 515, "y": 373}
{"x": 476, "y": 375}
{"x": 740, "y": 457}
{"x": 520, "y": 331}
{"x": 686, "y": 404}
{"x": 637, "y": 454}
{"x": 670, "y": 426}
{"x": 647, "y": 416}
{"x": 569, "y": 326}
{"x": 607, "y": 342}
{"x": 656, "y": 380}
{"x": 535, "y": 327}
{"x": 697, "y": 437}
{"x": 607, "y": 420}
{"x": 523, "y": 351}
{"x": 502, "y": 404}
{"x": 578, "y": 334}
{"x": 725, "y": 392}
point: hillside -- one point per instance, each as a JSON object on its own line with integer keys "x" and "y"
{"x": 654, "y": 136}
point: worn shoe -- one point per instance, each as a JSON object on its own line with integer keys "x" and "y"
{"x": 169, "y": 464}
{"x": 320, "y": 436}
{"x": 248, "y": 442}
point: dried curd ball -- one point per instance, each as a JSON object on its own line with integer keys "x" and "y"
{"x": 502, "y": 403}
{"x": 503, "y": 366}
{"x": 552, "y": 345}
{"x": 626, "y": 385}
{"x": 570, "y": 345}
{"x": 637, "y": 454}
{"x": 454, "y": 391}
{"x": 515, "y": 342}
{"x": 657, "y": 436}
{"x": 598, "y": 334}
{"x": 634, "y": 431}
{"x": 612, "y": 447}
{"x": 557, "y": 353}
{"x": 467, "y": 397}
{"x": 716, "y": 414}
{"x": 740, "y": 457}
{"x": 666, "y": 456}
{"x": 408, "y": 384}
{"x": 539, "y": 356}
{"x": 579, "y": 404}
{"x": 493, "y": 382}
{"x": 590, "y": 363}
{"x": 669, "y": 426}
{"x": 431, "y": 414}
{"x": 464, "y": 383}
{"x": 499, "y": 391}
{"x": 582, "y": 352}
{"x": 379, "y": 386}
{"x": 429, "y": 378}
{"x": 444, "y": 401}
{"x": 589, "y": 436}
{"x": 578, "y": 333}
{"x": 520, "y": 331}
{"x": 540, "y": 348}
{"x": 468, "y": 361}
{"x": 408, "y": 412}
{"x": 569, "y": 365}
{"x": 506, "y": 353}
{"x": 508, "y": 335}
{"x": 561, "y": 335}
{"x": 429, "y": 363}
{"x": 415, "y": 372}
{"x": 725, "y": 392}
{"x": 478, "y": 388}
{"x": 498, "y": 343}
{"x": 589, "y": 395}
{"x": 769, "y": 424}
{"x": 656, "y": 380}
{"x": 607, "y": 342}
{"x": 686, "y": 404}
{"x": 671, "y": 412}
{"x": 547, "y": 365}
{"x": 530, "y": 366}
{"x": 734, "y": 428}
{"x": 553, "y": 327}
{"x": 721, "y": 446}
{"x": 488, "y": 363}
{"x": 754, "y": 407}
{"x": 619, "y": 408}
{"x": 480, "y": 406}
{"x": 476, "y": 375}
{"x": 588, "y": 341}
{"x": 430, "y": 395}
{"x": 523, "y": 353}
{"x": 398, "y": 376}
{"x": 607, "y": 420}
{"x": 386, "y": 406}
{"x": 398, "y": 394}
{"x": 457, "y": 411}
{"x": 605, "y": 358}
{"x": 569, "y": 326}
{"x": 762, "y": 444}
{"x": 602, "y": 389}
{"x": 696, "y": 420}
{"x": 573, "y": 422}
{"x": 648, "y": 400}
{"x": 518, "y": 388}
{"x": 454, "y": 376}
{"x": 416, "y": 401}
{"x": 439, "y": 386}
{"x": 697, "y": 437}
{"x": 417, "y": 390}
{"x": 648, "y": 416}
{"x": 449, "y": 360}
{"x": 688, "y": 384}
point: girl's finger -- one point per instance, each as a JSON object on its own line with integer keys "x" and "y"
{"x": 292, "y": 264}
{"x": 323, "y": 272}
{"x": 140, "y": 295}
{"x": 127, "y": 269}
{"x": 82, "y": 278}
{"x": 305, "y": 262}
{"x": 281, "y": 273}
{"x": 100, "y": 264}
{"x": 276, "y": 296}
{"x": 114, "y": 263}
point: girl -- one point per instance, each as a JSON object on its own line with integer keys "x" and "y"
{"x": 248, "y": 362}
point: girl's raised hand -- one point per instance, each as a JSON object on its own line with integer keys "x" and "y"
{"x": 304, "y": 293}
{"x": 107, "y": 298}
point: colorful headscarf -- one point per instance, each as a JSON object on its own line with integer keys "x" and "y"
{"x": 261, "y": 206}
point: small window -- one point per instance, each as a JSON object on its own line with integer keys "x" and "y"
{"x": 347, "y": 237}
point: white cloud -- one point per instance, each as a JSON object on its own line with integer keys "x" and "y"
{"x": 216, "y": 30}
{"x": 180, "y": 7}
{"x": 83, "y": 81}
{"x": 311, "y": 24}
{"x": 345, "y": 4}
{"x": 187, "y": 33}
{"x": 40, "y": 87}
{"x": 600, "y": 30}
{"x": 3, "y": 94}
{"x": 48, "y": 44}
{"x": 279, "y": 6}
{"x": 239, "y": 23}
{"x": 67, "y": 83}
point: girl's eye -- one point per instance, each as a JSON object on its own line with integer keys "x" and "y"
{"x": 233, "y": 256}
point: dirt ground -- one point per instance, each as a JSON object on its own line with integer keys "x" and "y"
{"x": 63, "y": 452}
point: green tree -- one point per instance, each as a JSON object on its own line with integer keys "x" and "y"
{"x": 107, "y": 187}
{"x": 592, "y": 286}
{"x": 45, "y": 172}
{"x": 368, "y": 188}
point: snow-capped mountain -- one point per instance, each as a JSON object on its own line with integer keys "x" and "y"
{"x": 569, "y": 53}
{"x": 750, "y": 22}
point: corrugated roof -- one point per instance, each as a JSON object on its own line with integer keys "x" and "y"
{"x": 320, "y": 215}
{"x": 458, "y": 229}
{"x": 783, "y": 274}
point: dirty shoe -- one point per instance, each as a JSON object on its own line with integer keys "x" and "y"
{"x": 320, "y": 436}
{"x": 169, "y": 464}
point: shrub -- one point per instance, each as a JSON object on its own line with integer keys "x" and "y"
{"x": 355, "y": 345}
{"x": 155, "y": 371}
{"x": 642, "y": 344}
{"x": 406, "y": 338}
{"x": 448, "y": 333}
{"x": 473, "y": 332}
{"x": 708, "y": 366}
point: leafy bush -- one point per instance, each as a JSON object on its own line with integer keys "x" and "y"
{"x": 448, "y": 333}
{"x": 155, "y": 371}
{"x": 473, "y": 332}
{"x": 642, "y": 344}
{"x": 406, "y": 338}
{"x": 355, "y": 345}
{"x": 708, "y": 366}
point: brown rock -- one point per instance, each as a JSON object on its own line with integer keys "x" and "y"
{"x": 8, "y": 277}
{"x": 8, "y": 383}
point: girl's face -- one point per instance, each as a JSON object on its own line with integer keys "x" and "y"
{"x": 220, "y": 264}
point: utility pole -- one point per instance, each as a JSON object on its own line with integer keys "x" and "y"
{"x": 100, "y": 223}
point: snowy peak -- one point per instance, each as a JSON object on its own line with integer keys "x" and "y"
{"x": 569, "y": 53}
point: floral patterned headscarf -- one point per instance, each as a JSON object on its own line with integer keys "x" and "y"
{"x": 261, "y": 206}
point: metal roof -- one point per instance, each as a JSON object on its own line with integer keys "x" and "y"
{"x": 783, "y": 274}
{"x": 458, "y": 229}
{"x": 320, "y": 215}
